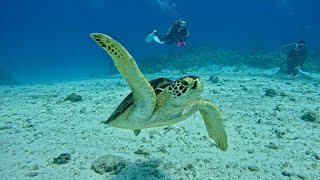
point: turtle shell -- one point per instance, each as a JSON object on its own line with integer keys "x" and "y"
{"x": 157, "y": 84}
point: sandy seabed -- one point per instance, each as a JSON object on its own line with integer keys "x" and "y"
{"x": 268, "y": 139}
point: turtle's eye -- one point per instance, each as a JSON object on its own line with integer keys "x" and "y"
{"x": 185, "y": 83}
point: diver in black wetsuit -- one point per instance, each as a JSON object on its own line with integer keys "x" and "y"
{"x": 296, "y": 58}
{"x": 178, "y": 33}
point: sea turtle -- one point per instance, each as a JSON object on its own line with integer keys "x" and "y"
{"x": 159, "y": 102}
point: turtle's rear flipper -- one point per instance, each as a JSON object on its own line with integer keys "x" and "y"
{"x": 137, "y": 131}
{"x": 144, "y": 97}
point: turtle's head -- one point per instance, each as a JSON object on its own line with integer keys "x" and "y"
{"x": 186, "y": 88}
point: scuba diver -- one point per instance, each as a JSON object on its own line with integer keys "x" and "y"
{"x": 294, "y": 60}
{"x": 178, "y": 33}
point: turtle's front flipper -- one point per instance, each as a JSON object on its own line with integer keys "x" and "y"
{"x": 143, "y": 94}
{"x": 214, "y": 123}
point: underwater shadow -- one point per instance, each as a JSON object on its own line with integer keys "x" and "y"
{"x": 141, "y": 170}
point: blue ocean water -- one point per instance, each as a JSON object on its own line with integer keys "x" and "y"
{"x": 43, "y": 41}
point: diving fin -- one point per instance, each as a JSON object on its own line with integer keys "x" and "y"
{"x": 274, "y": 71}
{"x": 150, "y": 37}
{"x": 305, "y": 73}
{"x": 137, "y": 131}
{"x": 156, "y": 39}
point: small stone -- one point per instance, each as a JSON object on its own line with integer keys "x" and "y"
{"x": 168, "y": 165}
{"x": 283, "y": 94}
{"x": 5, "y": 127}
{"x": 277, "y": 108}
{"x": 189, "y": 167}
{"x": 244, "y": 88}
{"x": 141, "y": 152}
{"x": 272, "y": 145}
{"x": 286, "y": 173}
{"x": 97, "y": 102}
{"x": 316, "y": 156}
{"x": 308, "y": 152}
{"x": 144, "y": 140}
{"x": 214, "y": 79}
{"x": 62, "y": 158}
{"x": 6, "y": 91}
{"x": 250, "y": 151}
{"x": 270, "y": 93}
{"x": 35, "y": 167}
{"x": 253, "y": 168}
{"x": 73, "y": 97}
{"x": 83, "y": 110}
{"x": 238, "y": 129}
{"x": 108, "y": 164}
{"x": 214, "y": 91}
{"x": 232, "y": 165}
{"x": 292, "y": 99}
{"x": 301, "y": 176}
{"x": 29, "y": 125}
{"x": 309, "y": 116}
{"x": 162, "y": 149}
{"x": 279, "y": 133}
{"x": 32, "y": 174}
